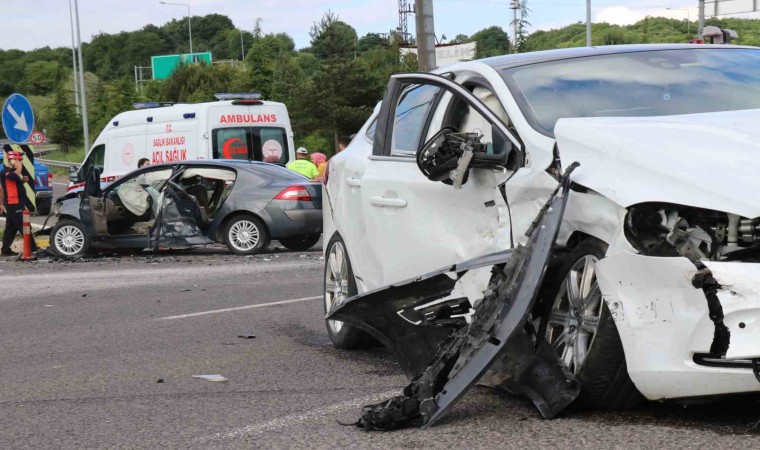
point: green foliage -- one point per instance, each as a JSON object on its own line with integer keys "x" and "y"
{"x": 316, "y": 142}
{"x": 108, "y": 100}
{"x": 491, "y": 41}
{"x": 63, "y": 124}
{"x": 199, "y": 83}
{"x": 40, "y": 77}
{"x": 331, "y": 38}
{"x": 261, "y": 57}
{"x": 616, "y": 36}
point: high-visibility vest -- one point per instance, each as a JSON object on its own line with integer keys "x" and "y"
{"x": 28, "y": 170}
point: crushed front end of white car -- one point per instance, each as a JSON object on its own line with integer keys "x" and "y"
{"x": 681, "y": 277}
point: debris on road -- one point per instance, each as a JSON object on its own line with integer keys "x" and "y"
{"x": 246, "y": 336}
{"x": 160, "y": 380}
{"x": 443, "y": 357}
{"x": 214, "y": 378}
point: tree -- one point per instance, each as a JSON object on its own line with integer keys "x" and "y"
{"x": 335, "y": 100}
{"x": 261, "y": 56}
{"x": 63, "y": 124}
{"x": 331, "y": 38}
{"x": 522, "y": 25}
{"x": 40, "y": 77}
{"x": 491, "y": 41}
{"x": 460, "y": 38}
{"x": 370, "y": 41}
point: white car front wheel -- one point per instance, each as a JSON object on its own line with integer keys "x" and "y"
{"x": 578, "y": 325}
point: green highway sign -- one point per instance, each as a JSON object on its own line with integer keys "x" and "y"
{"x": 164, "y": 65}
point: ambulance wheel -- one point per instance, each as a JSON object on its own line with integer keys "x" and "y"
{"x": 246, "y": 235}
{"x": 68, "y": 239}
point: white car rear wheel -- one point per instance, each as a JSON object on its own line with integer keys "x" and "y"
{"x": 339, "y": 284}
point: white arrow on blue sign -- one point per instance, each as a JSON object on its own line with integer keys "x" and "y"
{"x": 18, "y": 119}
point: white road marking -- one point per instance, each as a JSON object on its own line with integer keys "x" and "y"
{"x": 294, "y": 419}
{"x": 239, "y": 308}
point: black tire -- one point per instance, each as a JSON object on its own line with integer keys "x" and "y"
{"x": 345, "y": 336}
{"x": 58, "y": 243}
{"x": 235, "y": 239}
{"x": 603, "y": 375}
{"x": 300, "y": 243}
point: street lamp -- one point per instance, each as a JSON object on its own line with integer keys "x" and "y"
{"x": 688, "y": 17}
{"x": 189, "y": 20}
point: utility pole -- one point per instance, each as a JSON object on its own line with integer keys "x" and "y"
{"x": 74, "y": 59}
{"x": 701, "y": 17}
{"x": 242, "y": 47}
{"x": 82, "y": 89}
{"x": 425, "y": 35}
{"x": 588, "y": 23}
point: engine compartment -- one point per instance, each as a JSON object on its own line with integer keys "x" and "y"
{"x": 662, "y": 229}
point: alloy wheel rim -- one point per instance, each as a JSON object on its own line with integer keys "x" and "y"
{"x": 336, "y": 282}
{"x": 69, "y": 240}
{"x": 244, "y": 235}
{"x": 574, "y": 318}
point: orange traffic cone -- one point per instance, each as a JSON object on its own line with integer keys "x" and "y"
{"x": 27, "y": 233}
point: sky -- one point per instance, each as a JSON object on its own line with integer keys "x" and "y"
{"x": 40, "y": 23}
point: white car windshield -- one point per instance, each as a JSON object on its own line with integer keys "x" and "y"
{"x": 635, "y": 84}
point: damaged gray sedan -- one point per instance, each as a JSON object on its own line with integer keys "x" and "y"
{"x": 460, "y": 236}
{"x": 178, "y": 205}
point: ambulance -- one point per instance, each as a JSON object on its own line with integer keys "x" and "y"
{"x": 237, "y": 126}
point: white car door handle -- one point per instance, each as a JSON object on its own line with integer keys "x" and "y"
{"x": 354, "y": 182}
{"x": 388, "y": 202}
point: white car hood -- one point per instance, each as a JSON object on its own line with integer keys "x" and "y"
{"x": 709, "y": 160}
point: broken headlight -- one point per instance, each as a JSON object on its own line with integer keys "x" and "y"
{"x": 662, "y": 229}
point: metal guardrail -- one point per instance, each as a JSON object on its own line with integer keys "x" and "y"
{"x": 50, "y": 162}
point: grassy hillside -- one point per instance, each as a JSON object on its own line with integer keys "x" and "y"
{"x": 650, "y": 30}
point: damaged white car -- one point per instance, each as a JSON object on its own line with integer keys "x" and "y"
{"x": 457, "y": 236}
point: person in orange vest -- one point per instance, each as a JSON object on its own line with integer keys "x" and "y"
{"x": 14, "y": 201}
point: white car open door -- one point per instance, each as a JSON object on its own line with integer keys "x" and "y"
{"x": 406, "y": 213}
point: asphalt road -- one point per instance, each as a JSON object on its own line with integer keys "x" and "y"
{"x": 101, "y": 353}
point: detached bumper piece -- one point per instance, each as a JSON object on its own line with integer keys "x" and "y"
{"x": 499, "y": 337}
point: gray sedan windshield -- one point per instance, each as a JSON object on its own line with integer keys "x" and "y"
{"x": 649, "y": 83}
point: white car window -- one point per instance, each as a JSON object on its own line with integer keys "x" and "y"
{"x": 410, "y": 117}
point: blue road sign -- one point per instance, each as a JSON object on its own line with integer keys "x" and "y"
{"x": 18, "y": 119}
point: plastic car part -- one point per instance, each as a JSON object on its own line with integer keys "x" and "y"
{"x": 498, "y": 337}
{"x": 722, "y": 337}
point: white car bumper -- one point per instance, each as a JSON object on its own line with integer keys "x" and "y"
{"x": 664, "y": 323}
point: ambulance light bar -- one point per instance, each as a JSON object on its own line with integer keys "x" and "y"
{"x": 238, "y": 96}
{"x": 149, "y": 105}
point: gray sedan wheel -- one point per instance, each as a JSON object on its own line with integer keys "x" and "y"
{"x": 246, "y": 235}
{"x": 68, "y": 239}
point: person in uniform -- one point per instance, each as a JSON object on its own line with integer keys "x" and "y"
{"x": 14, "y": 201}
{"x": 302, "y": 164}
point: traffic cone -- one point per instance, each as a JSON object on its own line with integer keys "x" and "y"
{"x": 27, "y": 233}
